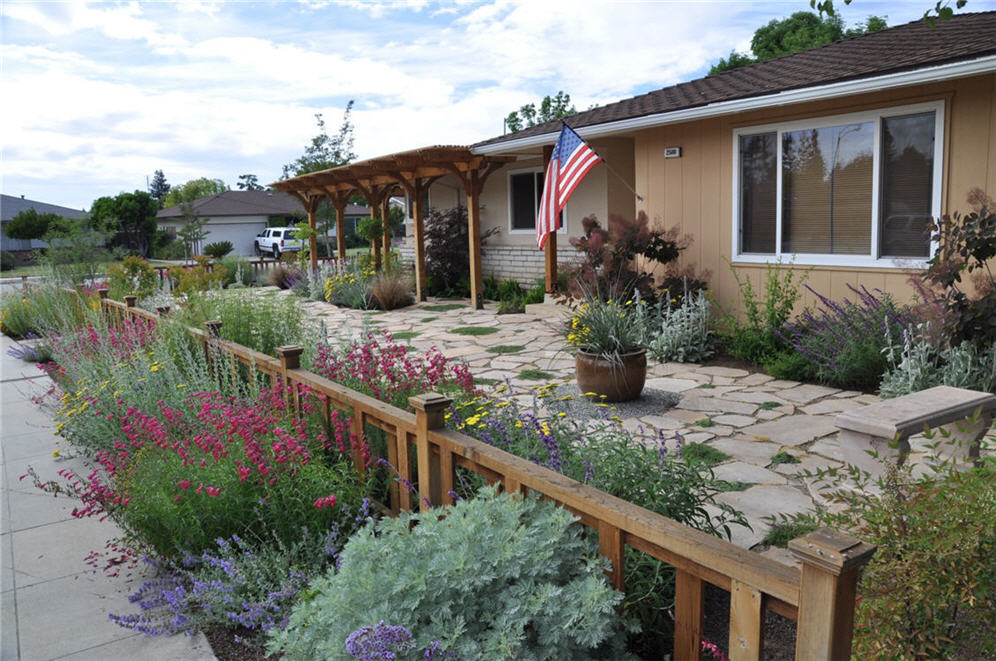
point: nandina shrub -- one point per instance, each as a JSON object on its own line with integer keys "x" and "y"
{"x": 382, "y": 368}
{"x": 179, "y": 478}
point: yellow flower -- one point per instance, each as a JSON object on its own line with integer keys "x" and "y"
{"x": 55, "y": 452}
{"x": 473, "y": 420}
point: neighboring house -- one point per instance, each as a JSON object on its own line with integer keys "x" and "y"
{"x": 834, "y": 158}
{"x": 238, "y": 216}
{"x": 10, "y": 206}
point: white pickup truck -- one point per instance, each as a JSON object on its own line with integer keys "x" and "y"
{"x": 275, "y": 240}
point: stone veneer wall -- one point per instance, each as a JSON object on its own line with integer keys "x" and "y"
{"x": 524, "y": 264}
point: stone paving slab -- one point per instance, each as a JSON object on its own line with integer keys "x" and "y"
{"x": 792, "y": 430}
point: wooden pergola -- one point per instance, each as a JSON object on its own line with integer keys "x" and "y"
{"x": 404, "y": 173}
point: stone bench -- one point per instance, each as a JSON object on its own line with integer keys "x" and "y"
{"x": 885, "y": 427}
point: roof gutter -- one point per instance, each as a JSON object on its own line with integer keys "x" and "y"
{"x": 821, "y": 92}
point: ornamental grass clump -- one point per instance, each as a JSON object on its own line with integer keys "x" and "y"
{"x": 349, "y": 285}
{"x": 492, "y": 577}
{"x": 605, "y": 328}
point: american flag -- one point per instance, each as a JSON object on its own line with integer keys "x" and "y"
{"x": 571, "y": 160}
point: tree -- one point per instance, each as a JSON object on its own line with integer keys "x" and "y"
{"x": 249, "y": 182}
{"x": 551, "y": 108}
{"x": 192, "y": 232}
{"x": 941, "y": 10}
{"x": 194, "y": 189}
{"x": 798, "y": 32}
{"x": 325, "y": 151}
{"x": 29, "y": 224}
{"x": 159, "y": 188}
{"x": 129, "y": 218}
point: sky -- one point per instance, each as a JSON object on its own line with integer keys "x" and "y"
{"x": 98, "y": 96}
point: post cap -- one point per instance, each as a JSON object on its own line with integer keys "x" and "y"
{"x": 429, "y": 401}
{"x": 831, "y": 550}
{"x": 131, "y": 300}
{"x": 102, "y": 292}
{"x": 290, "y": 350}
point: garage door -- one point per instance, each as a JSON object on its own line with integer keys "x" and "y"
{"x": 241, "y": 234}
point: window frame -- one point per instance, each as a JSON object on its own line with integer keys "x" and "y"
{"x": 538, "y": 169}
{"x": 872, "y": 260}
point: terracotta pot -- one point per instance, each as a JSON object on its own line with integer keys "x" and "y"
{"x": 619, "y": 381}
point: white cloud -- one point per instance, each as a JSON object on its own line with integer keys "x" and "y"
{"x": 104, "y": 94}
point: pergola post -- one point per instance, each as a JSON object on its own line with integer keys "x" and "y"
{"x": 312, "y": 208}
{"x": 550, "y": 249}
{"x": 385, "y": 238}
{"x": 473, "y": 190}
{"x": 340, "y": 225}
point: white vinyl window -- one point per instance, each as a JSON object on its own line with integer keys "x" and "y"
{"x": 849, "y": 190}
{"x": 525, "y": 188}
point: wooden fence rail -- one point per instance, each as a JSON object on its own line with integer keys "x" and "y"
{"x": 820, "y": 597}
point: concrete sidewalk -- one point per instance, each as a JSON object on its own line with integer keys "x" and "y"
{"x": 55, "y": 605}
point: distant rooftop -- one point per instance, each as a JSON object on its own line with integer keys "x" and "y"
{"x": 11, "y": 205}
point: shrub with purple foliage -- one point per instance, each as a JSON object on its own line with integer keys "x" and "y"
{"x": 843, "y": 344}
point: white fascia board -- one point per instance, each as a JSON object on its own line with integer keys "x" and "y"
{"x": 975, "y": 67}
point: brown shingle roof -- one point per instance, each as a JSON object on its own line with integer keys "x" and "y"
{"x": 902, "y": 48}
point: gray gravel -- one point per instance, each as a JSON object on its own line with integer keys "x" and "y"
{"x": 651, "y": 402}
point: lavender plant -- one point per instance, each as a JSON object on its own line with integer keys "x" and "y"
{"x": 250, "y": 584}
{"x": 843, "y": 343}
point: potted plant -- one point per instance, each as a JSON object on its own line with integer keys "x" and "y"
{"x": 609, "y": 358}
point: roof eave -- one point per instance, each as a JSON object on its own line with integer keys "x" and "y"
{"x": 941, "y": 72}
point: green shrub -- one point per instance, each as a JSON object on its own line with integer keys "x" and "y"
{"x": 790, "y": 365}
{"x": 446, "y": 259}
{"x": 238, "y": 270}
{"x": 131, "y": 276}
{"x": 754, "y": 338}
{"x": 218, "y": 249}
{"x": 509, "y": 289}
{"x": 495, "y": 577}
{"x": 7, "y": 261}
{"x": 929, "y": 591}
{"x": 700, "y": 453}
{"x": 200, "y": 277}
{"x": 17, "y": 317}
{"x": 349, "y": 286}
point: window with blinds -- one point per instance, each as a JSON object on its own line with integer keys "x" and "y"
{"x": 524, "y": 191}
{"x": 862, "y": 187}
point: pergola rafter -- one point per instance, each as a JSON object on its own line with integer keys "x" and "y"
{"x": 410, "y": 172}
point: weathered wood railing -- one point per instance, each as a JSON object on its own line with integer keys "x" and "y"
{"x": 259, "y": 264}
{"x": 820, "y": 597}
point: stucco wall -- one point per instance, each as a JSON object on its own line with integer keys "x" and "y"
{"x": 695, "y": 192}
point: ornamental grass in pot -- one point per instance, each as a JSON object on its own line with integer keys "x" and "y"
{"x": 610, "y": 359}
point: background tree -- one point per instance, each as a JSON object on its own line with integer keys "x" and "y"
{"x": 192, "y": 232}
{"x": 323, "y": 153}
{"x": 29, "y": 224}
{"x": 194, "y": 189}
{"x": 798, "y": 32}
{"x": 249, "y": 182}
{"x": 550, "y": 108}
{"x": 159, "y": 188}
{"x": 129, "y": 219}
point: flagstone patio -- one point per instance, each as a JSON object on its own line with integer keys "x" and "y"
{"x": 750, "y": 416}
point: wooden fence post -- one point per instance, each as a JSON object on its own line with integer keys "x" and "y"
{"x": 162, "y": 310}
{"x": 831, "y": 564}
{"x": 290, "y": 359}
{"x": 689, "y": 598}
{"x": 430, "y": 413}
{"x": 24, "y": 284}
{"x": 213, "y": 331}
{"x": 105, "y": 310}
{"x": 131, "y": 300}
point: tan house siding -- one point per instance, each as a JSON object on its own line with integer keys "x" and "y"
{"x": 695, "y": 191}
